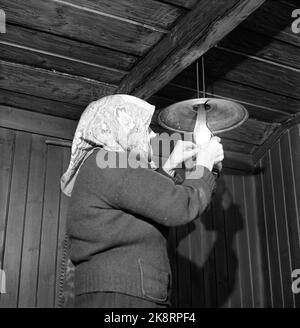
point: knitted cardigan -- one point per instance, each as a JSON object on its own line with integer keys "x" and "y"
{"x": 118, "y": 222}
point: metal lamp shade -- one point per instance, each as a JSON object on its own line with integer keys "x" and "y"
{"x": 221, "y": 115}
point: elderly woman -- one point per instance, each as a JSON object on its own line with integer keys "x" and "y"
{"x": 119, "y": 215}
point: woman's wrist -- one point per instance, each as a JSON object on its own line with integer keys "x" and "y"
{"x": 168, "y": 169}
{"x": 205, "y": 162}
{"x": 171, "y": 172}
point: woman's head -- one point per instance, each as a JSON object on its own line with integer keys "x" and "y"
{"x": 115, "y": 123}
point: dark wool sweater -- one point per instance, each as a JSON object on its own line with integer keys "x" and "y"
{"x": 118, "y": 222}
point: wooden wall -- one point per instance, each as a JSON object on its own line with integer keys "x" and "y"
{"x": 278, "y": 191}
{"x": 32, "y": 218}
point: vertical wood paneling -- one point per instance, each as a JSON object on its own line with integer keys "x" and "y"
{"x": 291, "y": 201}
{"x": 61, "y": 233}
{"x": 15, "y": 219}
{"x": 7, "y": 138}
{"x": 280, "y": 199}
{"x": 294, "y": 134}
{"x": 271, "y": 227}
{"x": 294, "y": 138}
{"x": 233, "y": 223}
{"x": 7, "y": 142}
{"x": 47, "y": 261}
{"x": 255, "y": 249}
{"x": 243, "y": 244}
{"x": 263, "y": 235}
{"x": 282, "y": 226}
{"x": 33, "y": 218}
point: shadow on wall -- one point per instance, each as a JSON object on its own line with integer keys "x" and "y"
{"x": 211, "y": 283}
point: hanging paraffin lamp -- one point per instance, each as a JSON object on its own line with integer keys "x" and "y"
{"x": 196, "y": 116}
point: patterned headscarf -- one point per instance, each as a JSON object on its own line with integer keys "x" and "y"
{"x": 116, "y": 123}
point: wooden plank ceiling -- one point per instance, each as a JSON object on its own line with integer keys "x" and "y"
{"x": 57, "y": 56}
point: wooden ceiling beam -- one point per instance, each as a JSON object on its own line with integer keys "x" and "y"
{"x": 18, "y": 119}
{"x": 52, "y": 85}
{"x": 40, "y": 105}
{"x": 199, "y": 30}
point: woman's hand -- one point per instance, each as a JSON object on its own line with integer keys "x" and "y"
{"x": 210, "y": 154}
{"x": 183, "y": 151}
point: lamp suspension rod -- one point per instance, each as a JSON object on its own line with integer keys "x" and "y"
{"x": 203, "y": 77}
{"x": 197, "y": 79}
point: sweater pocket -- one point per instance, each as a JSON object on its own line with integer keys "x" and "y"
{"x": 154, "y": 282}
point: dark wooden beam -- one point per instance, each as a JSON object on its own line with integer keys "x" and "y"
{"x": 40, "y": 105}
{"x": 52, "y": 85}
{"x": 19, "y": 119}
{"x": 199, "y": 30}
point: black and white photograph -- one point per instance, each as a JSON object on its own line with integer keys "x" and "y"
{"x": 150, "y": 156}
